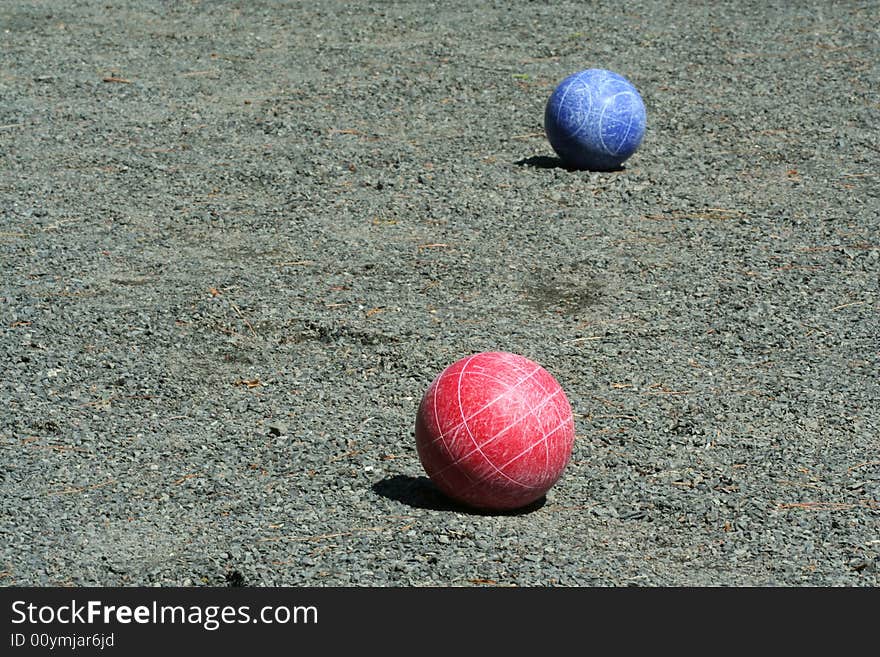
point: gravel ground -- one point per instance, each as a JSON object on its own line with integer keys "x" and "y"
{"x": 239, "y": 239}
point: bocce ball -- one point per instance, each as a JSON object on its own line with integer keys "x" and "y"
{"x": 595, "y": 119}
{"x": 494, "y": 431}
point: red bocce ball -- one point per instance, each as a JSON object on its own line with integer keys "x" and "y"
{"x": 494, "y": 431}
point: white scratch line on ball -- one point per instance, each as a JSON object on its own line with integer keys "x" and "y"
{"x": 628, "y": 127}
{"x": 435, "y": 418}
{"x": 540, "y": 423}
{"x": 518, "y": 456}
{"x": 531, "y": 412}
{"x": 467, "y": 428}
{"x": 584, "y": 125}
{"x": 480, "y": 410}
{"x": 531, "y": 447}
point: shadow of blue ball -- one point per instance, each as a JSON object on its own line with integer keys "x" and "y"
{"x": 595, "y": 119}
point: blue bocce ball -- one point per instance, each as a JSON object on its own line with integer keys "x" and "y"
{"x": 595, "y": 119}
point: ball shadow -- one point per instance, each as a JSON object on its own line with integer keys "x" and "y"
{"x": 553, "y": 162}
{"x": 421, "y": 493}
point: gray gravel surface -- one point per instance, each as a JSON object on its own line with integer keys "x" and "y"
{"x": 239, "y": 239}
